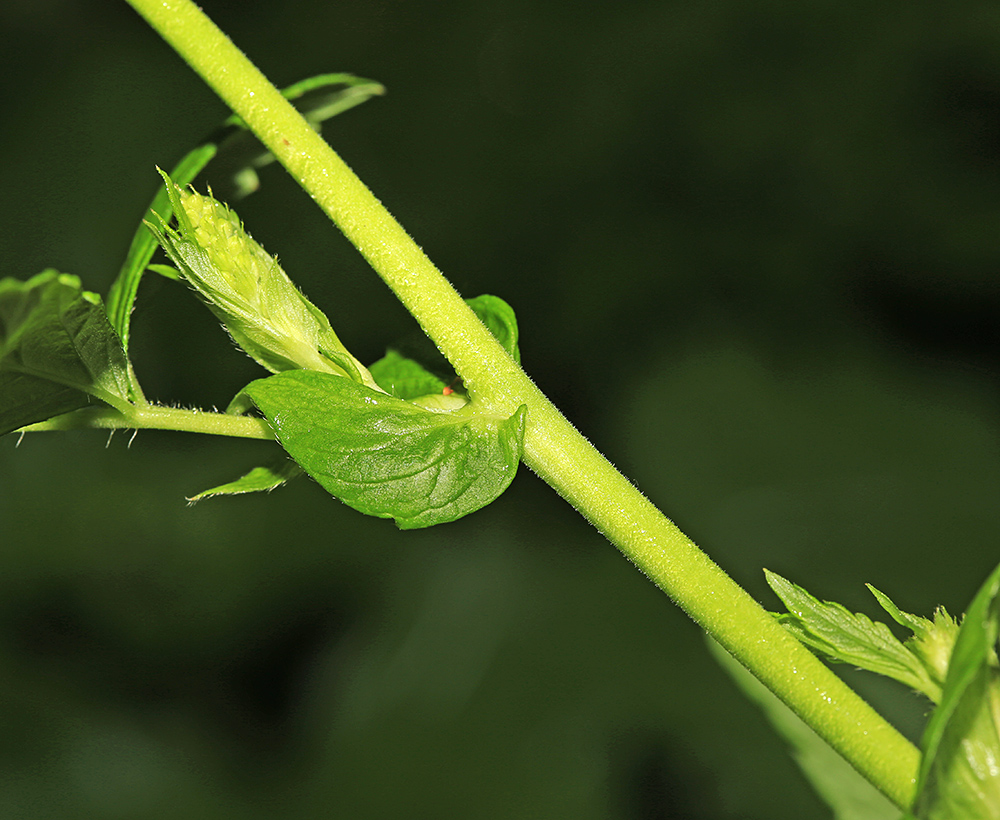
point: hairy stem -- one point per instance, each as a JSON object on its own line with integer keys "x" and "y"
{"x": 154, "y": 417}
{"x": 553, "y": 448}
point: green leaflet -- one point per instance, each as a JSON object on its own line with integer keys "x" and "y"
{"x": 404, "y": 378}
{"x": 959, "y": 771}
{"x": 387, "y": 457}
{"x": 57, "y": 351}
{"x": 259, "y": 479}
{"x": 932, "y": 641}
{"x": 318, "y": 98}
{"x": 845, "y": 637}
{"x": 838, "y": 784}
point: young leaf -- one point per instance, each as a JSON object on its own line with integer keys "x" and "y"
{"x": 912, "y": 622}
{"x": 838, "y": 784}
{"x": 404, "y": 378}
{"x": 387, "y": 457}
{"x": 259, "y": 479}
{"x": 960, "y": 767}
{"x": 932, "y": 641}
{"x": 499, "y": 318}
{"x": 845, "y": 637}
{"x": 248, "y": 291}
{"x": 319, "y": 98}
{"x": 57, "y": 351}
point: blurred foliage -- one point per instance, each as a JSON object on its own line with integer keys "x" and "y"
{"x": 754, "y": 254}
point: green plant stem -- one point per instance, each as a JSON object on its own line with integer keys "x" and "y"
{"x": 553, "y": 448}
{"x": 153, "y": 417}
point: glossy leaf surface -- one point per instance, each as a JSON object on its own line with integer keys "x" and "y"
{"x": 386, "y": 457}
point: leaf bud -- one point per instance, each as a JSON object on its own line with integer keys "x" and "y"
{"x": 246, "y": 288}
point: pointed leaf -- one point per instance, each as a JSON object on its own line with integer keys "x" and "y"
{"x": 259, "y": 479}
{"x": 912, "y": 622}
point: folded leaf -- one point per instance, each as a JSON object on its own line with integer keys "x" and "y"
{"x": 58, "y": 351}
{"x": 387, "y": 457}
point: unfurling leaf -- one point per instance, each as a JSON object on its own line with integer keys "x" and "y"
{"x": 248, "y": 291}
{"x": 387, "y": 457}
{"x": 58, "y": 351}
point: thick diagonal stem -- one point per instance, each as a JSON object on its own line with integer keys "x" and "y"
{"x": 553, "y": 448}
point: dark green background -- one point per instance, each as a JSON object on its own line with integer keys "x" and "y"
{"x": 754, "y": 252}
